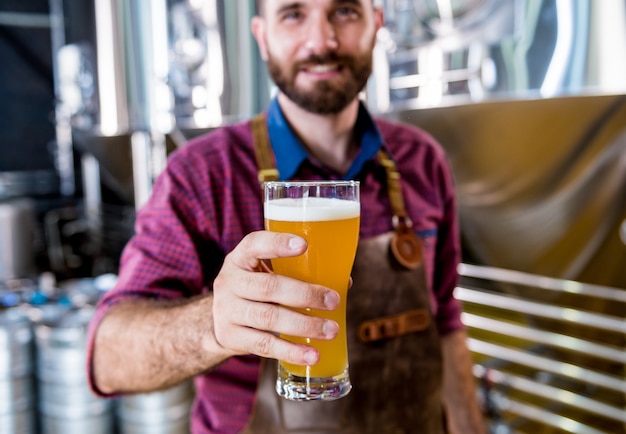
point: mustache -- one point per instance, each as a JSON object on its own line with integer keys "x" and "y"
{"x": 317, "y": 59}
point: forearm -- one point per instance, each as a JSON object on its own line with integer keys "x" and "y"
{"x": 143, "y": 345}
{"x": 148, "y": 345}
{"x": 459, "y": 392}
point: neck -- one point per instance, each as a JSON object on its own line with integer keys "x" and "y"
{"x": 328, "y": 138}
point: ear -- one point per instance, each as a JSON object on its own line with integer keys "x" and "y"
{"x": 379, "y": 17}
{"x": 257, "y": 26}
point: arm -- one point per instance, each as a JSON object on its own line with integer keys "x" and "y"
{"x": 144, "y": 345}
{"x": 459, "y": 394}
{"x": 149, "y": 345}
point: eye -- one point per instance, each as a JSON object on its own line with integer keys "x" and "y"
{"x": 291, "y": 15}
{"x": 346, "y": 12}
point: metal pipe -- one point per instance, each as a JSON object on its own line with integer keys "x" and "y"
{"x": 553, "y": 339}
{"x": 145, "y": 30}
{"x": 111, "y": 65}
{"x": 568, "y": 315}
{"x": 63, "y": 126}
{"x": 549, "y": 392}
{"x": 548, "y": 365}
{"x": 549, "y": 283}
{"x": 150, "y": 117}
{"x": 141, "y": 145}
{"x": 92, "y": 199}
{"x": 543, "y": 416}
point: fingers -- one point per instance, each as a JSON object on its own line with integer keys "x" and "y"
{"x": 249, "y": 327}
{"x": 251, "y": 308}
{"x": 278, "y": 319}
{"x": 271, "y": 346}
{"x": 266, "y": 245}
{"x": 270, "y": 287}
{"x": 274, "y": 288}
{"x": 250, "y": 333}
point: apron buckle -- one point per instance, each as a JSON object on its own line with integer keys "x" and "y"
{"x": 405, "y": 245}
{"x": 393, "y": 326}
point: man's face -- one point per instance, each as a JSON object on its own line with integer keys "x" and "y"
{"x": 319, "y": 52}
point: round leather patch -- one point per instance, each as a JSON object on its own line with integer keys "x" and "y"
{"x": 406, "y": 248}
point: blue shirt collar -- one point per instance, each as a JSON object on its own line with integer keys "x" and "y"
{"x": 290, "y": 153}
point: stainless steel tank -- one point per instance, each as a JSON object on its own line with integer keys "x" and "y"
{"x": 153, "y": 74}
{"x": 17, "y": 250}
{"x": 441, "y": 53}
{"x": 528, "y": 98}
{"x": 217, "y": 75}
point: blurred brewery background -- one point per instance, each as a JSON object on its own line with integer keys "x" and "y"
{"x": 528, "y": 97}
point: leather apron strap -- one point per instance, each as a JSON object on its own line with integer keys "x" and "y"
{"x": 405, "y": 246}
{"x": 264, "y": 154}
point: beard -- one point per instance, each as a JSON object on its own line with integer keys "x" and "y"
{"x": 326, "y": 97}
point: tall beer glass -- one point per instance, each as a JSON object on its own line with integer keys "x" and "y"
{"x": 327, "y": 215}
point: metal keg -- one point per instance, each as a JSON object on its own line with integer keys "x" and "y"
{"x": 66, "y": 404}
{"x": 17, "y": 403}
{"x": 18, "y": 422}
{"x": 163, "y": 412}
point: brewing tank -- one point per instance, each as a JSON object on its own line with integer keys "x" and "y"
{"x": 528, "y": 98}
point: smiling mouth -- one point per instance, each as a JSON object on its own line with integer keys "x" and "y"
{"x": 323, "y": 68}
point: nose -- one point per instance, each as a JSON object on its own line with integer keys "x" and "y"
{"x": 321, "y": 35}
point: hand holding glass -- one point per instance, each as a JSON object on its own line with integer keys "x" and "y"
{"x": 327, "y": 215}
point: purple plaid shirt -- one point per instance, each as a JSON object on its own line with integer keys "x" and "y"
{"x": 208, "y": 198}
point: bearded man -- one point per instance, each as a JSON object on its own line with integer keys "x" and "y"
{"x": 191, "y": 301}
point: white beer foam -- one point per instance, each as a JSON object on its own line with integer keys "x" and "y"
{"x": 311, "y": 209}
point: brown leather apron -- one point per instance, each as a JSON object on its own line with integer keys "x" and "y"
{"x": 393, "y": 345}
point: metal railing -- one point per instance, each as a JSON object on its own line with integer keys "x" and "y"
{"x": 550, "y": 354}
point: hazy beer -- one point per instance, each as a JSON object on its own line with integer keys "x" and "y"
{"x": 329, "y": 220}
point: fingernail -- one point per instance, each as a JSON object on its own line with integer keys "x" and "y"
{"x": 310, "y": 357}
{"x": 296, "y": 243}
{"x": 330, "y": 329}
{"x": 331, "y": 300}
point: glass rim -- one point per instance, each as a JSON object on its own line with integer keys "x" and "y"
{"x": 293, "y": 183}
